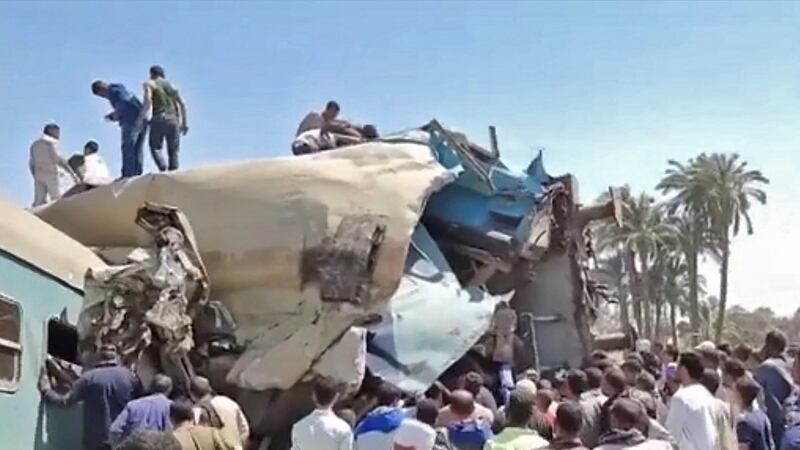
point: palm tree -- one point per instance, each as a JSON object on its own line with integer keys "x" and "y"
{"x": 643, "y": 231}
{"x": 730, "y": 188}
{"x": 688, "y": 204}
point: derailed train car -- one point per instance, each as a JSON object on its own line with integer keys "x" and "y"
{"x": 389, "y": 256}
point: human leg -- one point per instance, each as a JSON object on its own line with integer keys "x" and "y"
{"x": 173, "y": 137}
{"x": 156, "y": 140}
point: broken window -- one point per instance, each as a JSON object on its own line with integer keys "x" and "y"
{"x": 10, "y": 343}
{"x": 62, "y": 341}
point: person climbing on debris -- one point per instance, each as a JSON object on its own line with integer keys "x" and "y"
{"x": 167, "y": 112}
{"x": 320, "y": 131}
{"x": 95, "y": 170}
{"x": 128, "y": 114}
{"x": 218, "y": 411}
{"x": 150, "y": 412}
{"x": 48, "y": 167}
{"x": 104, "y": 391}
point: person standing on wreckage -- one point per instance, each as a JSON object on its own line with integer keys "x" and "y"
{"x": 129, "y": 114}
{"x": 168, "y": 118}
{"x": 48, "y": 166}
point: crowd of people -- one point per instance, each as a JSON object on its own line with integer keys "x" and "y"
{"x": 655, "y": 397}
{"x": 118, "y": 413}
{"x": 708, "y": 398}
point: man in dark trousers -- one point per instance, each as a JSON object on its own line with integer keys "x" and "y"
{"x": 104, "y": 391}
{"x": 129, "y": 114}
{"x": 168, "y": 118}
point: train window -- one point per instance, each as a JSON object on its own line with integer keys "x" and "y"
{"x": 10, "y": 343}
{"x": 62, "y": 341}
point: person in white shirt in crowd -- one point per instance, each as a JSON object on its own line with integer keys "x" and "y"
{"x": 51, "y": 172}
{"x": 691, "y": 418}
{"x": 322, "y": 429}
{"x": 418, "y": 433}
{"x": 723, "y": 414}
{"x": 219, "y": 411}
{"x": 95, "y": 170}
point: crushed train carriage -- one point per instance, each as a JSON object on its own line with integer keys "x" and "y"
{"x": 388, "y": 257}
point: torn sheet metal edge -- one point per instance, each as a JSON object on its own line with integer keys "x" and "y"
{"x": 431, "y": 320}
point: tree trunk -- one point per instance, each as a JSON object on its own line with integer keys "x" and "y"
{"x": 630, "y": 262}
{"x": 673, "y": 320}
{"x": 694, "y": 304}
{"x": 645, "y": 291}
{"x": 657, "y": 325}
{"x": 622, "y": 295}
{"x": 723, "y": 285}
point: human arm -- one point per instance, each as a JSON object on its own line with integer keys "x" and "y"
{"x": 119, "y": 426}
{"x": 147, "y": 101}
{"x": 241, "y": 423}
{"x": 70, "y": 398}
{"x": 182, "y": 112}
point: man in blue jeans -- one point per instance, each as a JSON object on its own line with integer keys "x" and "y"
{"x": 128, "y": 113}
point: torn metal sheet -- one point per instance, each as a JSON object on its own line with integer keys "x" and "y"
{"x": 430, "y": 322}
{"x": 153, "y": 300}
{"x": 257, "y": 222}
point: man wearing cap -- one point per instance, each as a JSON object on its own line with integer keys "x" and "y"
{"x": 104, "y": 391}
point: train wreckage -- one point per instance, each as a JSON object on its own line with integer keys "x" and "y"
{"x": 387, "y": 258}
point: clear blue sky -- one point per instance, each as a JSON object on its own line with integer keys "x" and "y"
{"x": 612, "y": 90}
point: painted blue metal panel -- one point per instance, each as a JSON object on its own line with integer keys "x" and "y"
{"x": 431, "y": 320}
{"x": 34, "y": 425}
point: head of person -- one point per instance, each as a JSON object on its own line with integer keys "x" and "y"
{"x": 325, "y": 392}
{"x": 569, "y": 420}
{"x": 181, "y": 412}
{"x": 732, "y": 370}
{"x": 672, "y": 380}
{"x": 526, "y": 385}
{"x": 473, "y": 381}
{"x": 690, "y": 368}
{"x": 747, "y": 390}
{"x": 576, "y": 383}
{"x": 108, "y": 354}
{"x": 646, "y": 382}
{"x": 594, "y": 377}
{"x": 370, "y": 132}
{"x": 520, "y": 408}
{"x": 774, "y": 344}
{"x": 156, "y": 72}
{"x": 200, "y": 388}
{"x": 149, "y": 440}
{"x": 388, "y": 395}
{"x": 710, "y": 380}
{"x": 427, "y": 411}
{"x": 710, "y": 358}
{"x": 90, "y": 148}
{"x": 462, "y": 403}
{"x": 52, "y": 130}
{"x": 530, "y": 374}
{"x": 544, "y": 398}
{"x": 742, "y": 352}
{"x": 614, "y": 382}
{"x": 76, "y": 163}
{"x": 626, "y": 414}
{"x": 331, "y": 111}
{"x": 348, "y": 415}
{"x": 725, "y": 348}
{"x": 599, "y": 355}
{"x": 632, "y": 368}
{"x": 671, "y": 353}
{"x": 100, "y": 88}
{"x": 642, "y": 345}
{"x": 161, "y": 384}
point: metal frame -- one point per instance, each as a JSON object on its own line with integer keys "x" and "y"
{"x": 13, "y": 386}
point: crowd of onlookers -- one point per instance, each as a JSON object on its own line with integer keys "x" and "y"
{"x": 708, "y": 398}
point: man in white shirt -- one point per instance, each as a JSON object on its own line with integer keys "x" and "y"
{"x": 322, "y": 429}
{"x": 95, "y": 170}
{"x": 47, "y": 165}
{"x": 692, "y": 412}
